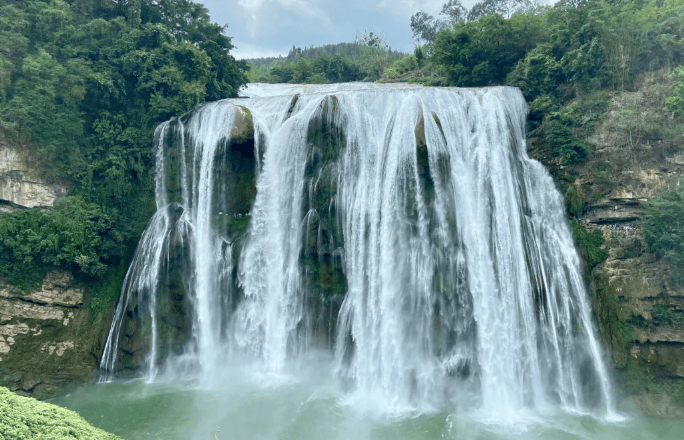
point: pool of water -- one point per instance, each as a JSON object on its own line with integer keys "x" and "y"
{"x": 245, "y": 403}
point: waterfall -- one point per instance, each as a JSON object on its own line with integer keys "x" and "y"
{"x": 406, "y": 221}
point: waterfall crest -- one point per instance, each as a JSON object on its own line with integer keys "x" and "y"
{"x": 402, "y": 228}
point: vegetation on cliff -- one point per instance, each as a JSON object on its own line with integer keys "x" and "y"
{"x": 25, "y": 418}
{"x": 663, "y": 229}
{"x": 83, "y": 84}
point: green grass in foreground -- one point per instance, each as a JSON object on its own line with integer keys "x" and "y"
{"x": 24, "y": 418}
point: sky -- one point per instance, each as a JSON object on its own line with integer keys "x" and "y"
{"x": 265, "y": 28}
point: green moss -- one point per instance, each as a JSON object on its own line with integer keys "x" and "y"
{"x": 230, "y": 224}
{"x": 293, "y": 102}
{"x": 663, "y": 314}
{"x": 238, "y": 223}
{"x": 107, "y": 290}
{"x": 637, "y": 380}
{"x": 172, "y": 175}
{"x": 589, "y": 244}
{"x": 423, "y": 163}
{"x": 438, "y": 122}
{"x": 326, "y": 276}
{"x": 574, "y": 201}
{"x": 25, "y": 418}
{"x": 616, "y": 318}
{"x": 246, "y": 110}
{"x": 325, "y": 136}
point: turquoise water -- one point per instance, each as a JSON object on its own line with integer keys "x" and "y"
{"x": 249, "y": 404}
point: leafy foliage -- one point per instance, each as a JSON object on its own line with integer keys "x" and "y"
{"x": 364, "y": 59}
{"x": 425, "y": 27}
{"x": 319, "y": 70}
{"x": 24, "y": 418}
{"x": 75, "y": 235}
{"x": 663, "y": 229}
{"x": 85, "y": 83}
{"x": 663, "y": 315}
{"x": 483, "y": 52}
{"x": 675, "y": 102}
{"x": 589, "y": 244}
{"x": 583, "y": 44}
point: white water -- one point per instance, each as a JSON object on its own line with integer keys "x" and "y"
{"x": 468, "y": 292}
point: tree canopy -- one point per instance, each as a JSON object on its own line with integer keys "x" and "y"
{"x": 84, "y": 83}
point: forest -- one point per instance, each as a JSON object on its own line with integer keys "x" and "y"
{"x": 83, "y": 84}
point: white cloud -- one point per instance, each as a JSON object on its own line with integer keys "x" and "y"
{"x": 269, "y": 27}
{"x": 256, "y": 10}
{"x": 406, "y": 8}
{"x": 247, "y": 51}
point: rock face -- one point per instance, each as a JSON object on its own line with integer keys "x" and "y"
{"x": 20, "y": 185}
{"x": 47, "y": 339}
{"x": 639, "y": 313}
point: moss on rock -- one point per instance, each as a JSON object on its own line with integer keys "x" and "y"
{"x": 24, "y": 418}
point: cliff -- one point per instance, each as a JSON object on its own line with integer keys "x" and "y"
{"x": 21, "y": 185}
{"x": 47, "y": 337}
{"x": 48, "y": 340}
{"x": 637, "y": 152}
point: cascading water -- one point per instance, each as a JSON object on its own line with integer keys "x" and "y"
{"x": 407, "y": 221}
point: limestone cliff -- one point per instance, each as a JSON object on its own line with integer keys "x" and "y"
{"x": 20, "y": 183}
{"x": 638, "y": 151}
{"x": 47, "y": 337}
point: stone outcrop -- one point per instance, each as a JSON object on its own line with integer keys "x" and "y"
{"x": 20, "y": 184}
{"x": 47, "y": 337}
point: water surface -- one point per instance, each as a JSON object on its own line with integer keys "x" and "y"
{"x": 246, "y": 403}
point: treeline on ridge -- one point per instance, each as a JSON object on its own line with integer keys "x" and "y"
{"x": 349, "y": 50}
{"x": 363, "y": 60}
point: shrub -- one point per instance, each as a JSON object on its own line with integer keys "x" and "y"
{"x": 589, "y": 244}
{"x": 76, "y": 235}
{"x": 663, "y": 229}
{"x": 401, "y": 67}
{"x": 564, "y": 142}
{"x": 25, "y": 418}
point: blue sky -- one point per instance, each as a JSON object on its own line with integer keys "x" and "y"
{"x": 271, "y": 27}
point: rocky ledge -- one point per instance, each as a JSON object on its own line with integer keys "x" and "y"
{"x": 47, "y": 339}
{"x": 20, "y": 184}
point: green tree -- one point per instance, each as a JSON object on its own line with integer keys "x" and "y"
{"x": 375, "y": 55}
{"x": 85, "y": 82}
{"x": 482, "y": 52}
{"x": 663, "y": 228}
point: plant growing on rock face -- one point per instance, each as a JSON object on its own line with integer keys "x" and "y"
{"x": 675, "y": 102}
{"x": 663, "y": 229}
{"x": 589, "y": 244}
